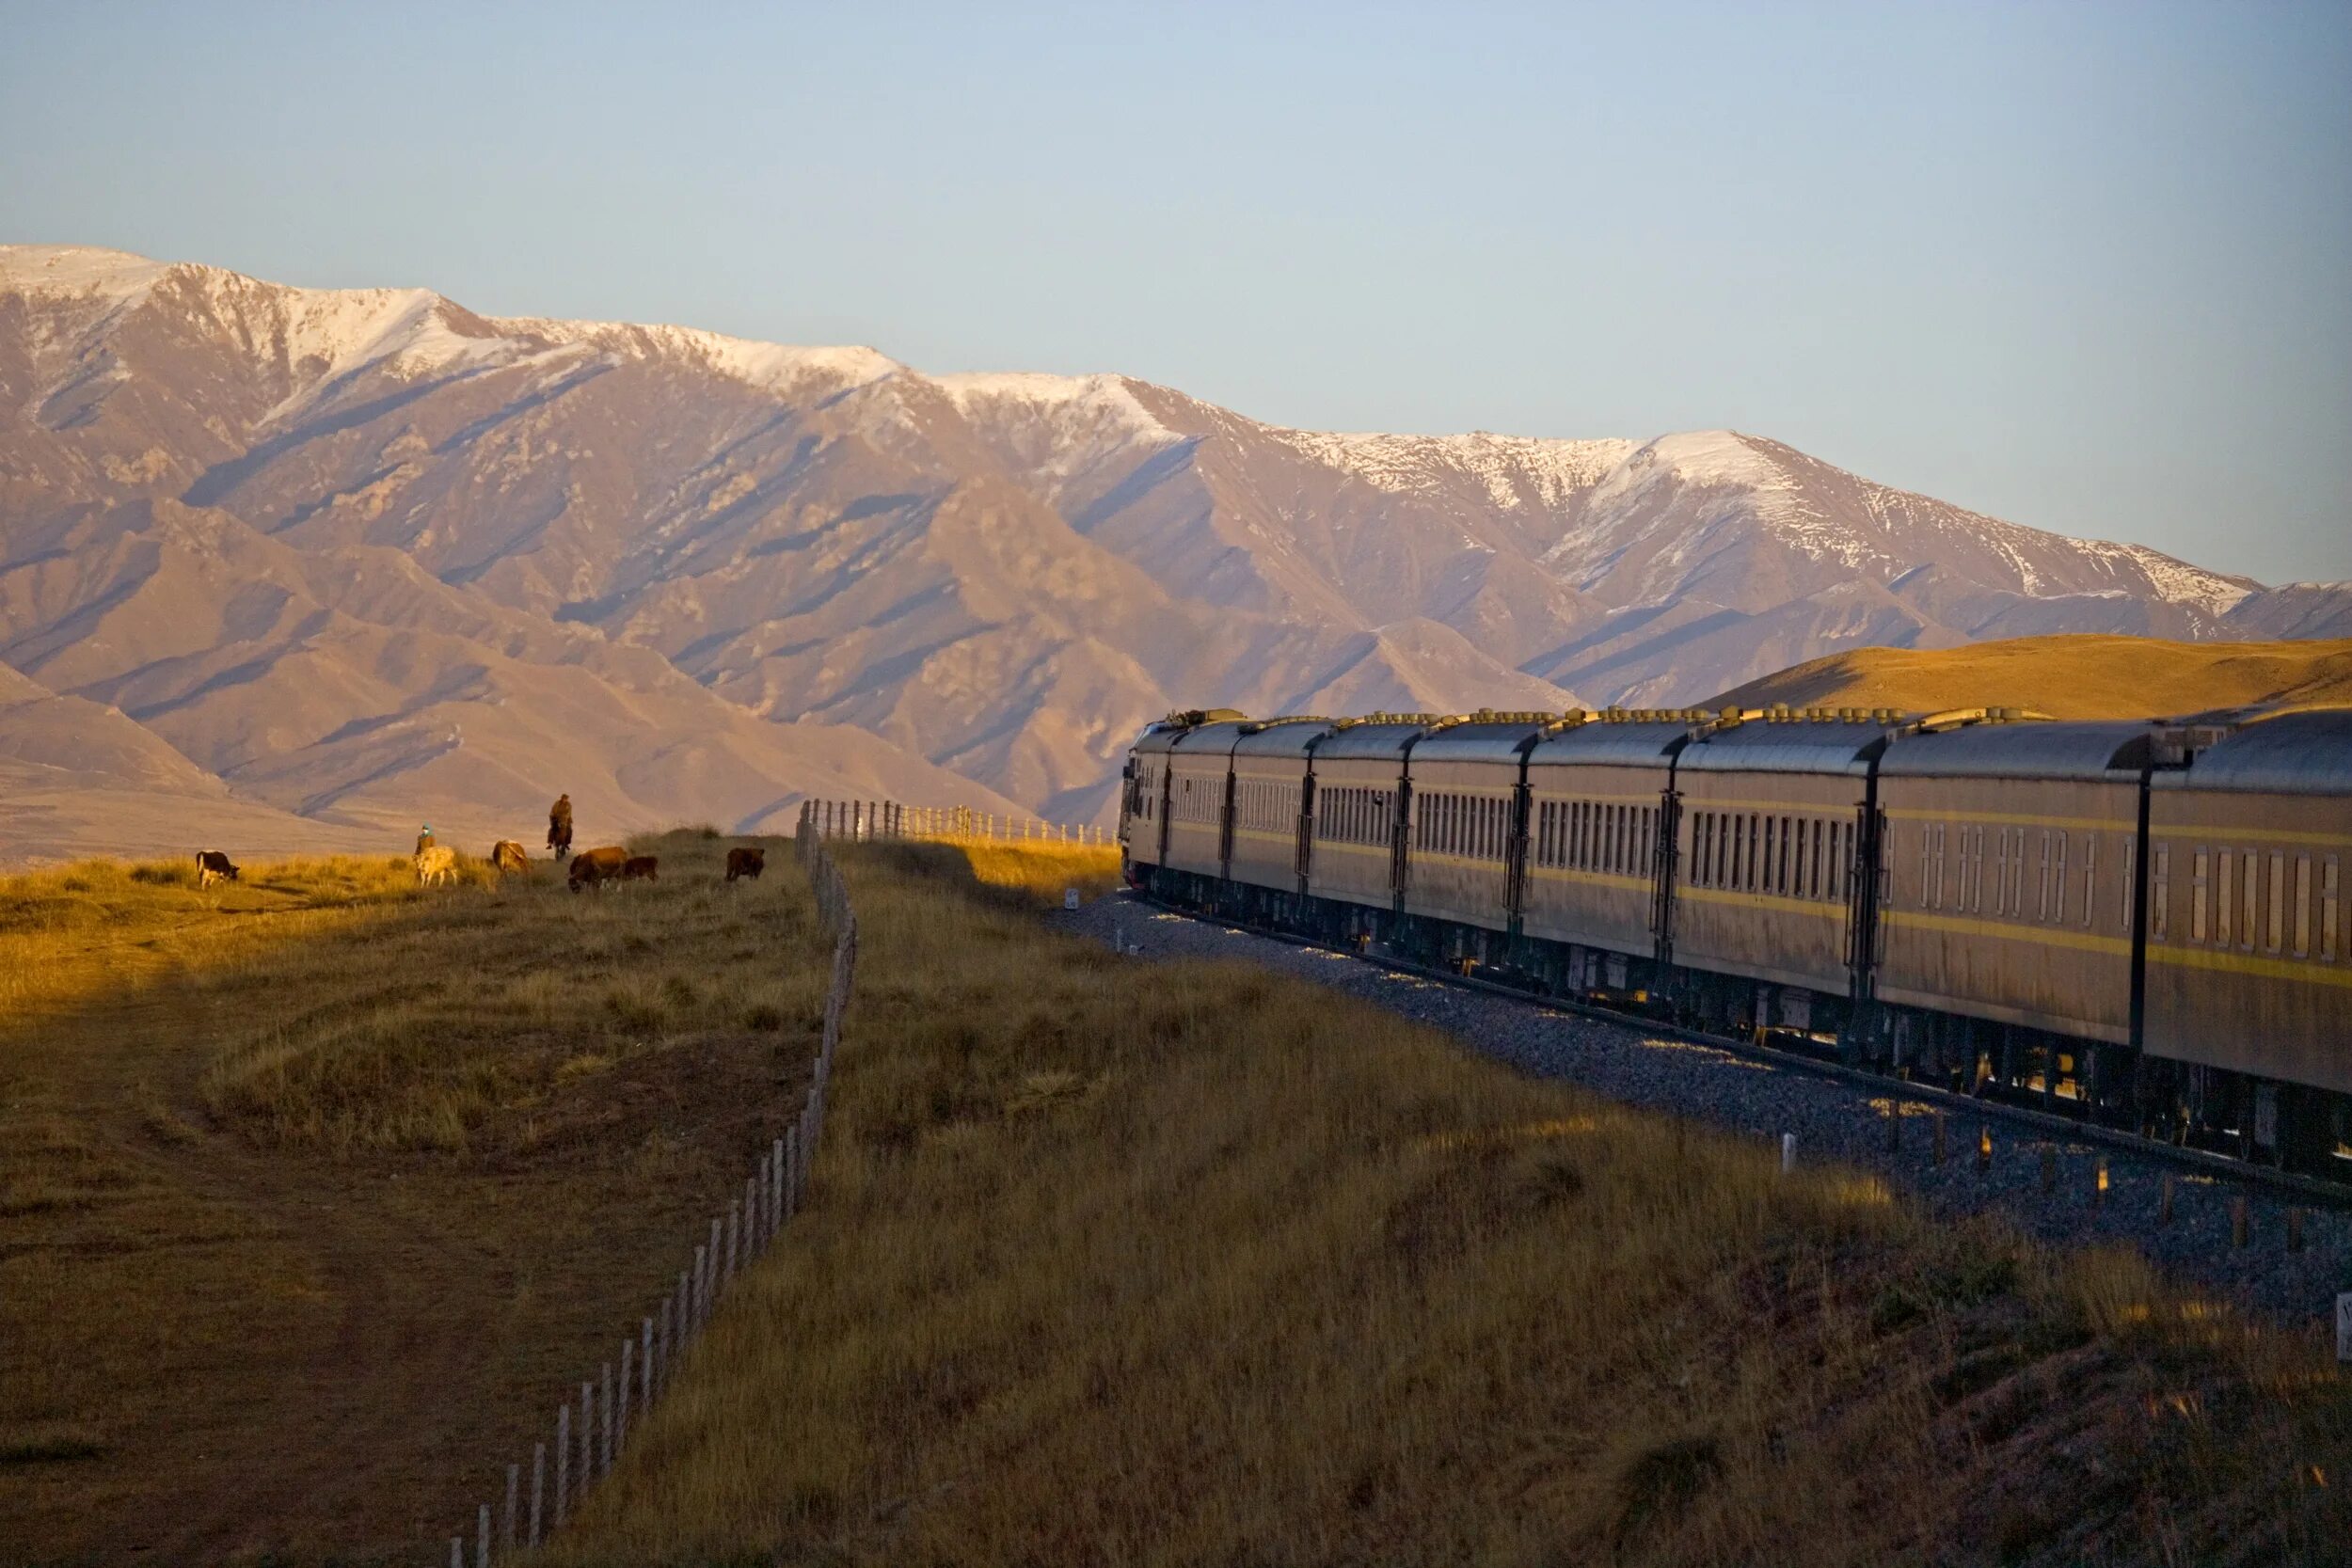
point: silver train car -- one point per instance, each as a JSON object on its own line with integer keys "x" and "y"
{"x": 2140, "y": 924}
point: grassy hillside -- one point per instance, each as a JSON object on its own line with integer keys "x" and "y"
{"x": 317, "y": 1189}
{"x": 1185, "y": 1263}
{"x": 2067, "y": 677}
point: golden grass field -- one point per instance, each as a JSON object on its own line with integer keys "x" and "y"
{"x": 2066, "y": 677}
{"x": 1108, "y": 1262}
{"x": 317, "y": 1189}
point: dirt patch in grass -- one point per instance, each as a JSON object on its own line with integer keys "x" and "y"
{"x": 318, "y": 1189}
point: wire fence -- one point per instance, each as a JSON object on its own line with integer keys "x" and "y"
{"x": 590, "y": 1434}
{"x": 866, "y": 820}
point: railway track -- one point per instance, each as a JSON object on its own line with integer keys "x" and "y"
{"x": 2312, "y": 1191}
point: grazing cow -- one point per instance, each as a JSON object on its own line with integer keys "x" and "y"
{"x": 746, "y": 863}
{"x": 508, "y": 856}
{"x": 435, "y": 862}
{"x": 640, "y": 868}
{"x": 213, "y": 867}
{"x": 595, "y": 867}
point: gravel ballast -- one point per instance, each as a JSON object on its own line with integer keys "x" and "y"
{"x": 1834, "y": 1119}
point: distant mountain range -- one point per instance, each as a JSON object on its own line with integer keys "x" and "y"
{"x": 356, "y": 555}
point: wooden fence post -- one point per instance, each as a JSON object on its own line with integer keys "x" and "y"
{"x": 2237, "y": 1221}
{"x": 620, "y": 1419}
{"x": 645, "y": 1367}
{"x": 1939, "y": 1137}
{"x": 513, "y": 1491}
{"x": 538, "y": 1486}
{"x": 587, "y": 1435}
{"x": 2164, "y": 1205}
{"x": 2049, "y": 1169}
{"x": 694, "y": 1295}
{"x": 482, "y": 1538}
{"x": 563, "y": 1462}
{"x": 604, "y": 1435}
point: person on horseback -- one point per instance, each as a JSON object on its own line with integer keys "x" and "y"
{"x": 560, "y": 827}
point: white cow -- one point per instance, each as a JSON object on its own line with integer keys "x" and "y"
{"x": 435, "y": 863}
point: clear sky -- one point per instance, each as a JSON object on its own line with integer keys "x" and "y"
{"x": 2087, "y": 266}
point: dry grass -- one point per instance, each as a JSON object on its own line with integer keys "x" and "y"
{"x": 1188, "y": 1263}
{"x": 2067, "y": 677}
{"x": 316, "y": 1189}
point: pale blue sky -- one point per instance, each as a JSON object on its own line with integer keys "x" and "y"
{"x": 2087, "y": 266}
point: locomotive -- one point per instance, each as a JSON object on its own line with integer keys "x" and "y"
{"x": 2136, "y": 923}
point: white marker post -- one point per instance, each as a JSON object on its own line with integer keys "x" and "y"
{"x": 1069, "y": 898}
{"x": 1787, "y": 1152}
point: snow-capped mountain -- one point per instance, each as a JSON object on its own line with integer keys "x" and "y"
{"x": 1001, "y": 576}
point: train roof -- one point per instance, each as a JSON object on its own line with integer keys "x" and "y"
{"x": 1165, "y": 734}
{"x": 1214, "y": 738}
{"x": 1790, "y": 745}
{"x": 2304, "y": 752}
{"x": 1383, "y": 735}
{"x": 1499, "y": 738}
{"x": 1613, "y": 743}
{"x": 2070, "y": 749}
{"x": 1289, "y": 736}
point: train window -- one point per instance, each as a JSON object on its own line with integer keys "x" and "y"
{"x": 2246, "y": 928}
{"x": 2057, "y": 875}
{"x": 2276, "y": 931}
{"x": 2200, "y": 895}
{"x": 1839, "y": 850}
{"x": 2327, "y": 910}
{"x": 2225, "y": 891}
{"x": 2302, "y": 906}
{"x": 2090, "y": 880}
{"x": 2164, "y": 866}
{"x": 2041, "y": 899}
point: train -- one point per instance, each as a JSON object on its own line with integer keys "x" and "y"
{"x": 2134, "y": 923}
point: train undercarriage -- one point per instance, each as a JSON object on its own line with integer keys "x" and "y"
{"x": 2289, "y": 1126}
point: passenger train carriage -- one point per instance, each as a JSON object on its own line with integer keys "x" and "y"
{"x": 2137, "y": 922}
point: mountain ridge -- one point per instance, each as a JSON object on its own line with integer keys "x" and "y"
{"x": 999, "y": 575}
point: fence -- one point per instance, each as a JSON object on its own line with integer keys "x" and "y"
{"x": 958, "y": 824}
{"x": 584, "y": 1449}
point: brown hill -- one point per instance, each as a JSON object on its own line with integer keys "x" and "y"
{"x": 2067, "y": 677}
{"x": 330, "y": 543}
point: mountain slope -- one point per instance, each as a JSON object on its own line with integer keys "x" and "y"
{"x": 1005, "y": 575}
{"x": 2067, "y": 677}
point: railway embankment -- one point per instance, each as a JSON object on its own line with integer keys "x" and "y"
{"x": 2294, "y": 1258}
{"x": 1193, "y": 1260}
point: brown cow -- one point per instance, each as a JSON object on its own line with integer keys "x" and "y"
{"x": 213, "y": 867}
{"x": 746, "y": 863}
{"x": 595, "y": 867}
{"x": 640, "y": 868}
{"x": 508, "y": 856}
